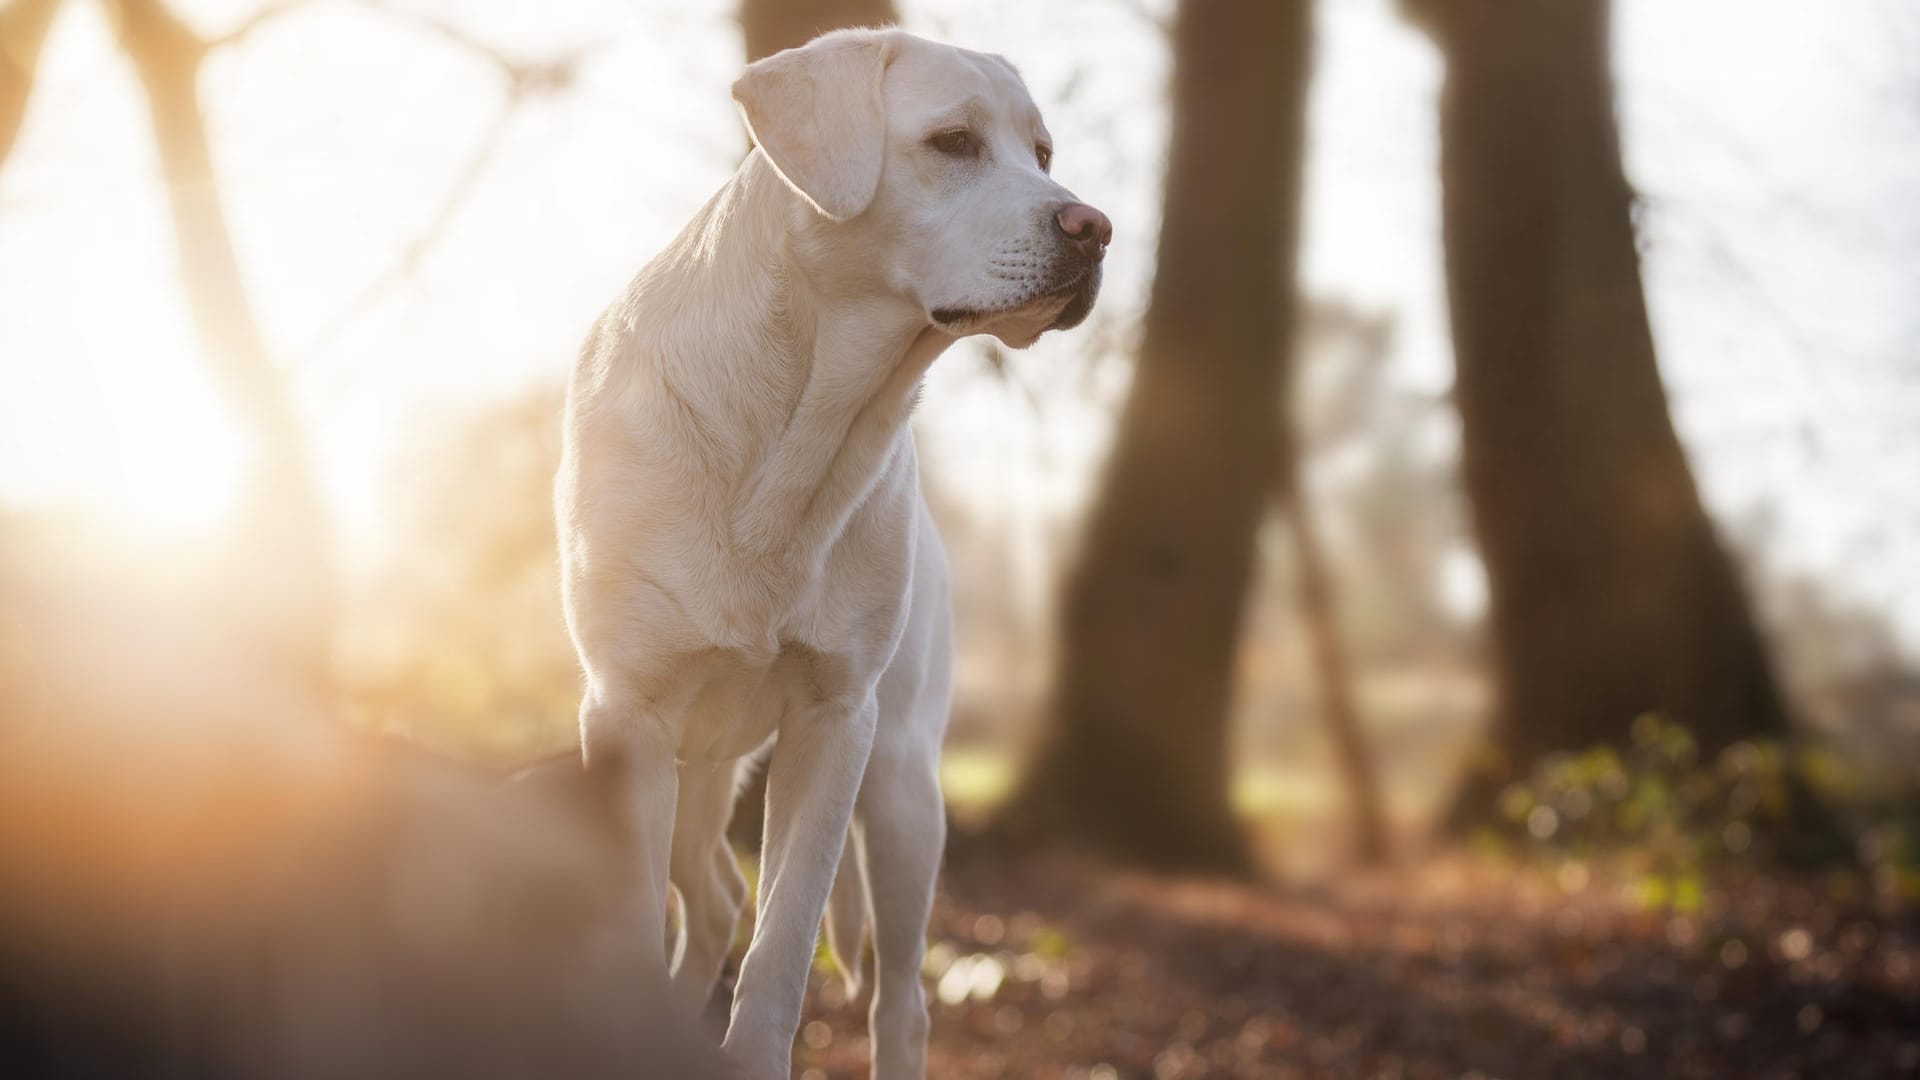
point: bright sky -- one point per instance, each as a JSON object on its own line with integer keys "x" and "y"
{"x": 1777, "y": 143}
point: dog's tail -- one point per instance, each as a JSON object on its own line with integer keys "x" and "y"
{"x": 847, "y": 918}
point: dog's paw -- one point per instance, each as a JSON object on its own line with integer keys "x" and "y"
{"x": 757, "y": 1062}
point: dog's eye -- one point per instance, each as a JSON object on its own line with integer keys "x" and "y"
{"x": 954, "y": 143}
{"x": 1044, "y": 154}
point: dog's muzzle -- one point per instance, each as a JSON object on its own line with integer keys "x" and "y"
{"x": 1086, "y": 233}
{"x": 1080, "y": 302}
{"x": 1083, "y": 234}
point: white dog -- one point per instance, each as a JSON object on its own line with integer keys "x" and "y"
{"x": 746, "y": 554}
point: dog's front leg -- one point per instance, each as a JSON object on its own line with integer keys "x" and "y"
{"x": 816, "y": 768}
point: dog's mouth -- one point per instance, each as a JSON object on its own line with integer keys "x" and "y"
{"x": 1080, "y": 304}
{"x": 1073, "y": 297}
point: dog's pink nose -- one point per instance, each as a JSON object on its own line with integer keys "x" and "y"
{"x": 1086, "y": 228}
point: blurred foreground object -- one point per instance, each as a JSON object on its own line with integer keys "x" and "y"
{"x": 206, "y": 877}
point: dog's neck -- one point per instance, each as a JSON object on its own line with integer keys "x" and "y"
{"x": 824, "y": 360}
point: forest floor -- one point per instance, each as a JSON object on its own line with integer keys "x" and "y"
{"x": 1462, "y": 967}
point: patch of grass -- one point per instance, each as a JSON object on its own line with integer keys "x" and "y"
{"x": 1668, "y": 816}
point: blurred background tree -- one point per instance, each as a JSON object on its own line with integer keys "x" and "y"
{"x": 1611, "y": 594}
{"x": 1136, "y": 762}
{"x": 283, "y": 550}
{"x": 768, "y": 26}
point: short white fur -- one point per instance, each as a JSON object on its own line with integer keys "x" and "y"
{"x": 746, "y": 554}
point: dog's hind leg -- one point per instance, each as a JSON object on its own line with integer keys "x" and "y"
{"x": 707, "y": 876}
{"x": 847, "y": 917}
{"x": 902, "y": 825}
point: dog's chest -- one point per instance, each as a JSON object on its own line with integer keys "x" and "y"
{"x": 846, "y": 601}
{"x": 834, "y": 634}
{"x": 833, "y": 586}
{"x": 734, "y": 700}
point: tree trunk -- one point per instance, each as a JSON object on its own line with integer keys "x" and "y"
{"x": 772, "y": 25}
{"x": 23, "y": 30}
{"x": 1611, "y": 593}
{"x": 285, "y": 575}
{"x": 1136, "y": 765}
{"x": 1333, "y": 675}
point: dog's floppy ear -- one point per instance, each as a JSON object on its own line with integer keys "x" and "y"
{"x": 816, "y": 113}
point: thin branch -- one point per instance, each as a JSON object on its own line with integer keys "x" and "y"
{"x": 407, "y": 263}
{"x": 525, "y": 76}
{"x": 1333, "y": 671}
{"x": 452, "y": 34}
{"x": 524, "y": 79}
{"x": 246, "y": 27}
{"x": 285, "y": 505}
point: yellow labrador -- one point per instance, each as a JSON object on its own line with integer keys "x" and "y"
{"x": 747, "y": 557}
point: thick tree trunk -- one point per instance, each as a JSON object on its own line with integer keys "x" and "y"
{"x": 772, "y": 25}
{"x": 1611, "y": 593}
{"x": 287, "y": 579}
{"x": 23, "y": 30}
{"x": 1137, "y": 761}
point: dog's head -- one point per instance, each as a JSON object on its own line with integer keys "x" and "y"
{"x": 935, "y": 162}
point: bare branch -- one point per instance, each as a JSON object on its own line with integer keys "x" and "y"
{"x": 524, "y": 77}
{"x": 268, "y": 14}
{"x": 453, "y": 35}
{"x": 408, "y": 262}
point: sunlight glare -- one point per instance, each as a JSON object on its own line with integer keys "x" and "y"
{"x": 106, "y": 406}
{"x": 160, "y": 458}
